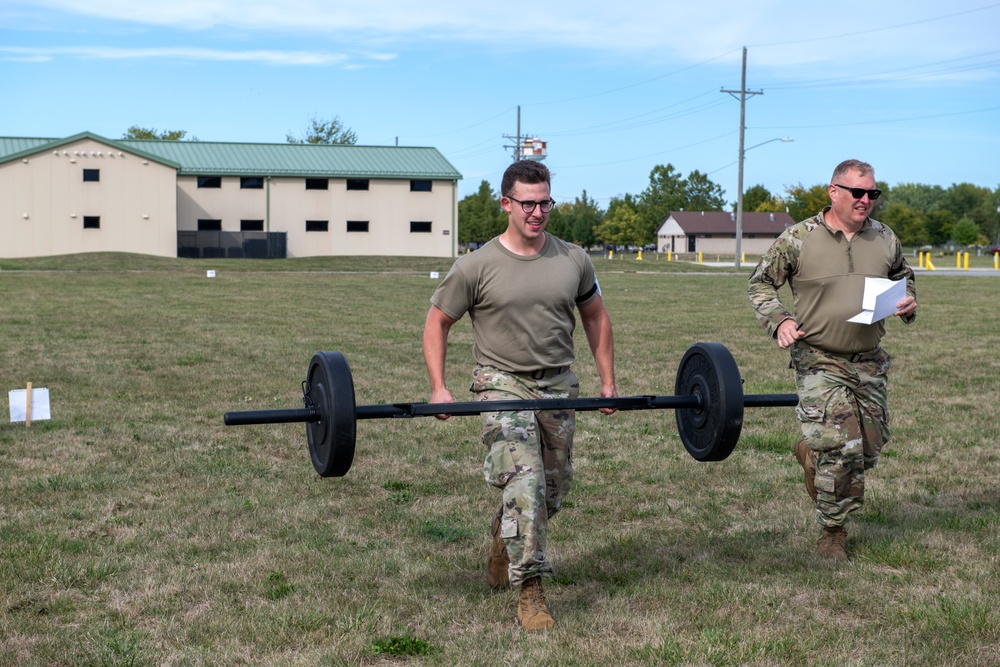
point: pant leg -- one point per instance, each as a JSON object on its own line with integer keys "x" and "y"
{"x": 843, "y": 417}
{"x": 528, "y": 457}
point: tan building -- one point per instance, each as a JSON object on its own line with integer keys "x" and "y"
{"x": 714, "y": 232}
{"x": 87, "y": 193}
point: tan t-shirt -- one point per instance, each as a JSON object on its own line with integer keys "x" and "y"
{"x": 521, "y": 307}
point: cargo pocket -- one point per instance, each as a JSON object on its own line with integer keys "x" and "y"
{"x": 810, "y": 412}
{"x": 508, "y": 527}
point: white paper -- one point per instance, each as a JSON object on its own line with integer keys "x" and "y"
{"x": 880, "y": 299}
{"x": 19, "y": 404}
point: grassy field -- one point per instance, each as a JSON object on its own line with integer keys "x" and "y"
{"x": 136, "y": 529}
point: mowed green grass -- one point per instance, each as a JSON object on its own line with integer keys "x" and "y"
{"x": 136, "y": 529}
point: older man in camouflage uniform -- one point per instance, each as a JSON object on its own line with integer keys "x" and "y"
{"x": 841, "y": 371}
{"x": 521, "y": 291}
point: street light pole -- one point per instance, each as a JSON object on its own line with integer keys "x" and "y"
{"x": 739, "y": 196}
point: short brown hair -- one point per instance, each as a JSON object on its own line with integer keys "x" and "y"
{"x": 524, "y": 171}
{"x": 862, "y": 168}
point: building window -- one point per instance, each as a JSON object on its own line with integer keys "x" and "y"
{"x": 251, "y": 225}
{"x": 357, "y": 225}
{"x": 210, "y": 181}
{"x": 251, "y": 183}
{"x": 357, "y": 184}
{"x": 91, "y": 175}
{"x": 417, "y": 227}
{"x": 318, "y": 184}
{"x": 210, "y": 225}
{"x": 420, "y": 186}
{"x": 317, "y": 225}
{"x": 91, "y": 222}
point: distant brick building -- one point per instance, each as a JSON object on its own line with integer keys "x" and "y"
{"x": 714, "y": 232}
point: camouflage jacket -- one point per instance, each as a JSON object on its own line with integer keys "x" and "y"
{"x": 826, "y": 273}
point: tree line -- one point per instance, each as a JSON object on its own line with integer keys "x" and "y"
{"x": 919, "y": 214}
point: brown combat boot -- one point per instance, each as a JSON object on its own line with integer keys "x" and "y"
{"x": 831, "y": 543}
{"x": 497, "y": 560}
{"x": 805, "y": 458}
{"x": 531, "y": 608}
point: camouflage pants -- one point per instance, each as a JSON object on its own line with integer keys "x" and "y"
{"x": 844, "y": 416}
{"x": 529, "y": 458}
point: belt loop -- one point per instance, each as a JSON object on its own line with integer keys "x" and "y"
{"x": 538, "y": 374}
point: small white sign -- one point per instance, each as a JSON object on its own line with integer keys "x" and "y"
{"x": 434, "y": 275}
{"x": 211, "y": 273}
{"x": 39, "y": 404}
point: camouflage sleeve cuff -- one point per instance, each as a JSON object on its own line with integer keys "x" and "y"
{"x": 772, "y": 322}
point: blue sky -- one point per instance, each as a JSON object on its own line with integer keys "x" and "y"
{"x": 615, "y": 88}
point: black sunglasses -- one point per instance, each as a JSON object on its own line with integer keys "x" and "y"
{"x": 858, "y": 193}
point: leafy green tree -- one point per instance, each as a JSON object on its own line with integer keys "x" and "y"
{"x": 881, "y": 202}
{"x": 621, "y": 227}
{"x": 919, "y": 197}
{"x": 321, "y": 131}
{"x": 756, "y": 197}
{"x": 702, "y": 194}
{"x": 627, "y": 200}
{"x": 559, "y": 224}
{"x": 136, "y": 132}
{"x": 966, "y": 232}
{"x": 909, "y": 224}
{"x": 480, "y": 216}
{"x": 665, "y": 193}
{"x": 805, "y": 202}
{"x": 965, "y": 200}
{"x": 939, "y": 225}
{"x": 579, "y": 219}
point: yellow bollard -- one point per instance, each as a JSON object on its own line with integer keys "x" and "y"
{"x": 966, "y": 263}
{"x": 958, "y": 260}
{"x": 930, "y": 266}
{"x": 611, "y": 254}
{"x": 996, "y": 260}
{"x": 743, "y": 258}
{"x": 921, "y": 259}
{"x": 670, "y": 255}
{"x": 639, "y": 257}
{"x": 699, "y": 257}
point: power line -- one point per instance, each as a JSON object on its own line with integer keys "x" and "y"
{"x": 855, "y": 33}
{"x": 874, "y": 76}
{"x": 875, "y": 122}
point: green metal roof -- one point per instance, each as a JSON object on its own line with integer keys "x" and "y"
{"x": 12, "y": 148}
{"x": 237, "y": 159}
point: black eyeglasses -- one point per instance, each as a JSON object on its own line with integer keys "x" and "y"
{"x": 858, "y": 193}
{"x": 529, "y": 206}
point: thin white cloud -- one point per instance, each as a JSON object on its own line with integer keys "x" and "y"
{"x": 267, "y": 57}
{"x": 786, "y": 32}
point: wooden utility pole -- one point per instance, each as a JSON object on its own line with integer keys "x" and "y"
{"x": 743, "y": 92}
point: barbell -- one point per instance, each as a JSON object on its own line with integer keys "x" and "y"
{"x": 708, "y": 404}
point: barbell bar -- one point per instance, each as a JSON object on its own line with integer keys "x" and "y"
{"x": 708, "y": 405}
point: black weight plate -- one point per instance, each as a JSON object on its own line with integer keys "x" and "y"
{"x": 710, "y": 432}
{"x": 330, "y": 388}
